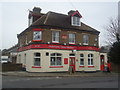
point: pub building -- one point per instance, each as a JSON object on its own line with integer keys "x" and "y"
{"x": 53, "y": 42}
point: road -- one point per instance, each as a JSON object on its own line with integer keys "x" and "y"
{"x": 59, "y": 82}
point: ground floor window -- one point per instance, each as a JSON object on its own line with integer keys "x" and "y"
{"x": 25, "y": 59}
{"x": 37, "y": 59}
{"x": 90, "y": 59}
{"x": 56, "y": 59}
{"x": 81, "y": 59}
{"x": 19, "y": 58}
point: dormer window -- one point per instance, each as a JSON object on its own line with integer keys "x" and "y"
{"x": 75, "y": 21}
{"x": 30, "y": 20}
{"x": 75, "y": 17}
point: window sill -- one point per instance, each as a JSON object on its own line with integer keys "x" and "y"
{"x": 81, "y": 66}
{"x": 36, "y": 67}
{"x": 91, "y": 66}
{"x": 56, "y": 42}
{"x": 56, "y": 67}
{"x": 85, "y": 43}
{"x": 72, "y": 44}
{"x": 37, "y": 40}
{"x": 76, "y": 24}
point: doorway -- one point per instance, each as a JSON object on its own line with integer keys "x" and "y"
{"x": 72, "y": 63}
{"x": 102, "y": 60}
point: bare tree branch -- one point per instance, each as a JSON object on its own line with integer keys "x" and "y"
{"x": 113, "y": 31}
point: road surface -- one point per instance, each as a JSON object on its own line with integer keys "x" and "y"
{"x": 59, "y": 82}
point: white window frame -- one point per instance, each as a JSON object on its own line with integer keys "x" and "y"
{"x": 90, "y": 57}
{"x": 81, "y": 59}
{"x": 39, "y": 33}
{"x": 85, "y": 39}
{"x": 37, "y": 57}
{"x": 75, "y": 21}
{"x": 55, "y": 36}
{"x": 71, "y": 38}
{"x": 55, "y": 56}
{"x": 30, "y": 20}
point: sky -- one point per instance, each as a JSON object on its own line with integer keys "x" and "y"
{"x": 14, "y": 15}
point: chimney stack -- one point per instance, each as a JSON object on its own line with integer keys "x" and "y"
{"x": 71, "y": 12}
{"x": 37, "y": 9}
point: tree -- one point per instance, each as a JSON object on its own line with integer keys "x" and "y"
{"x": 113, "y": 31}
{"x": 114, "y": 54}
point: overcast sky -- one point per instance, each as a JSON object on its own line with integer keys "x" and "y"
{"x": 14, "y": 16}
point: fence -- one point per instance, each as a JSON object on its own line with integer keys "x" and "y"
{"x": 11, "y": 67}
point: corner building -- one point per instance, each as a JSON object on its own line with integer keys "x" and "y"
{"x": 53, "y": 42}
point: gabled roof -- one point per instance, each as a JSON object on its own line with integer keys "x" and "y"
{"x": 62, "y": 21}
{"x": 72, "y": 13}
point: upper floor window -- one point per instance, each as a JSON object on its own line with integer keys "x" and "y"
{"x": 90, "y": 59}
{"x": 37, "y": 35}
{"x": 72, "y": 38}
{"x": 85, "y": 39}
{"x": 26, "y": 39}
{"x": 56, "y": 59}
{"x": 55, "y": 36}
{"x": 20, "y": 42}
{"x": 75, "y": 21}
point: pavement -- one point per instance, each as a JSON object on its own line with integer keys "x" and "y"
{"x": 57, "y": 74}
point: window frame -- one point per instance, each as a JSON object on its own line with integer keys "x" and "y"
{"x": 83, "y": 59}
{"x": 40, "y": 36}
{"x": 20, "y": 42}
{"x": 37, "y": 57}
{"x": 91, "y": 58}
{"x": 85, "y": 39}
{"x": 73, "y": 38}
{"x": 55, "y": 37}
{"x": 26, "y": 39}
{"x": 75, "y": 21}
{"x": 55, "y": 56}
{"x": 30, "y": 20}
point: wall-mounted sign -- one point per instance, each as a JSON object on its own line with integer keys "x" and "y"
{"x": 64, "y": 36}
{"x": 63, "y": 47}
